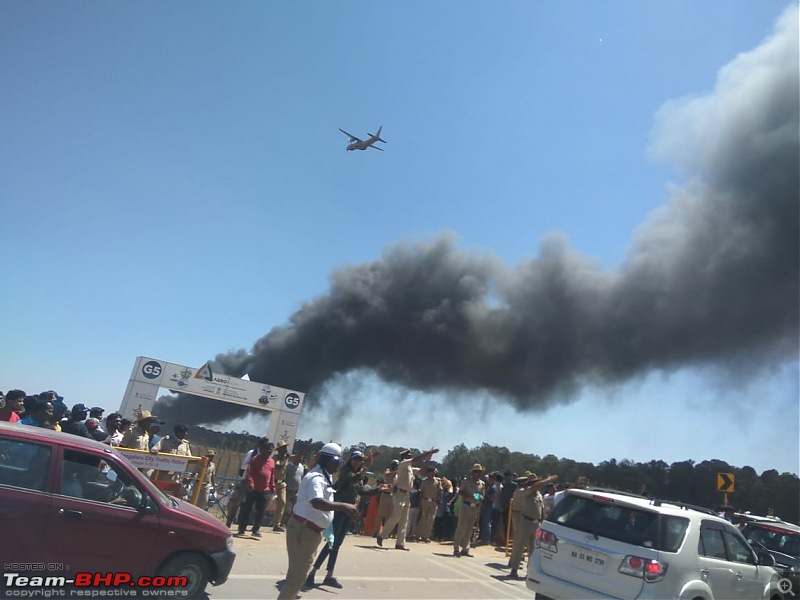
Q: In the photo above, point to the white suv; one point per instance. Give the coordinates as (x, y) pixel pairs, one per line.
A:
(605, 544)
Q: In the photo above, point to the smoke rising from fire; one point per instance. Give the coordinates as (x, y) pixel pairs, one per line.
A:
(710, 278)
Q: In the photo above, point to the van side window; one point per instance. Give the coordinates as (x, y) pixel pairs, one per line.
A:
(90, 477)
(24, 464)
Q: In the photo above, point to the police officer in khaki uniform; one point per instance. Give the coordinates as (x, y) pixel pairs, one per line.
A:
(402, 495)
(517, 501)
(430, 494)
(281, 459)
(532, 515)
(472, 492)
(173, 444)
(313, 513)
(386, 504)
(138, 438)
(177, 443)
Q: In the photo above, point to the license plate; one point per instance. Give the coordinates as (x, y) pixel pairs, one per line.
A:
(586, 560)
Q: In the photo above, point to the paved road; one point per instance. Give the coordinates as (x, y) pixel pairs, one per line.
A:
(367, 571)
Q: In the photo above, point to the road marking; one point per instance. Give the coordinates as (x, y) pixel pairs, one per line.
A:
(491, 585)
(356, 579)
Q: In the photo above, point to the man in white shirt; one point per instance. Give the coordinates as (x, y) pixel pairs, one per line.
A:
(313, 513)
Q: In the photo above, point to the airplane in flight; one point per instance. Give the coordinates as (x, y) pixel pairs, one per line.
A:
(359, 144)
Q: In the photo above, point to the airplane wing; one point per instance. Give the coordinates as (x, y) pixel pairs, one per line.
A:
(351, 136)
(376, 148)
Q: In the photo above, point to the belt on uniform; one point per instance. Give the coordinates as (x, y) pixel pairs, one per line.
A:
(531, 519)
(402, 490)
(307, 523)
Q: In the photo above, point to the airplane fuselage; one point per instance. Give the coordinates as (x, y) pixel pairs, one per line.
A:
(362, 145)
(359, 144)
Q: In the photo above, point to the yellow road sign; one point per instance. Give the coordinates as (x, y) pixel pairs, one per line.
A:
(725, 482)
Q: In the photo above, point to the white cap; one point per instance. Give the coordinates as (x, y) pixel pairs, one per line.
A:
(332, 450)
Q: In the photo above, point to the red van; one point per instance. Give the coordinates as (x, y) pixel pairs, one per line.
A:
(74, 508)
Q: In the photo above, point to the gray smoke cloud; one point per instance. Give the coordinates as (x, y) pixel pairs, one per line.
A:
(710, 278)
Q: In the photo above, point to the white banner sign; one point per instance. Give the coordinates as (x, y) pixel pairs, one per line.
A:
(151, 460)
(149, 374)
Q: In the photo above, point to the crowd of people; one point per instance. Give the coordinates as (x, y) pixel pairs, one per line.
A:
(408, 502)
(49, 411)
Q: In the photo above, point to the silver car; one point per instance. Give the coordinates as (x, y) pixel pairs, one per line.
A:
(605, 544)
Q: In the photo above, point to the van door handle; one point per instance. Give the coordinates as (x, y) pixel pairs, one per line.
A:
(704, 573)
(738, 575)
(70, 514)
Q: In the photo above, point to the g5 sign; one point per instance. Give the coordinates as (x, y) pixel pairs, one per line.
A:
(151, 369)
(292, 400)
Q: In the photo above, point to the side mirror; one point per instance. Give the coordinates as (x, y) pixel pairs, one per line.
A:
(765, 558)
(132, 497)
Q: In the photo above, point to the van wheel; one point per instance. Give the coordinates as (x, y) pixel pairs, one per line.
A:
(192, 566)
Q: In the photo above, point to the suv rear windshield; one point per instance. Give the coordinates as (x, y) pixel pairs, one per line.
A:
(621, 523)
(773, 538)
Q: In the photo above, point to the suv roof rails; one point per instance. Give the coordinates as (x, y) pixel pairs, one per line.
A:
(684, 505)
(594, 488)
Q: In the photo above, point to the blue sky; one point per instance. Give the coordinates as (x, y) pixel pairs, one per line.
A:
(173, 184)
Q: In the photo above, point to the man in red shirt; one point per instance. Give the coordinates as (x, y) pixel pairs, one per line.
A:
(14, 407)
(260, 484)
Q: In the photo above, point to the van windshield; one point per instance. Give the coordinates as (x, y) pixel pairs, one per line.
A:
(630, 525)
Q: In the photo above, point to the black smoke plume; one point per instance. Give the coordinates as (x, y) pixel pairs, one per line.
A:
(711, 278)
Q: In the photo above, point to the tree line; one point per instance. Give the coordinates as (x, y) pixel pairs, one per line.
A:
(768, 493)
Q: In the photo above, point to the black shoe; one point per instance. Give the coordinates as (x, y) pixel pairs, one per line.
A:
(256, 534)
(466, 553)
(278, 528)
(332, 582)
(402, 548)
(309, 584)
(514, 574)
(456, 553)
(239, 534)
(380, 541)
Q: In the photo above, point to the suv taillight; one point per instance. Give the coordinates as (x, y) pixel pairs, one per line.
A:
(647, 569)
(546, 539)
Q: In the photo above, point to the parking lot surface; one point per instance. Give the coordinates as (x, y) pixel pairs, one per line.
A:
(368, 571)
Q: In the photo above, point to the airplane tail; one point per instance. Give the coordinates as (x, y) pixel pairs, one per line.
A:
(378, 135)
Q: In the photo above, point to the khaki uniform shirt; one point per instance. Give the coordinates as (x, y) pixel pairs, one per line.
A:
(405, 475)
(472, 487)
(280, 467)
(211, 471)
(136, 438)
(431, 489)
(518, 499)
(389, 478)
(533, 505)
(174, 445)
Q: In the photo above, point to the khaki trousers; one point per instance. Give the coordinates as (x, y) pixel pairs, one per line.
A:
(399, 517)
(280, 503)
(467, 517)
(516, 517)
(428, 514)
(527, 535)
(301, 545)
(384, 512)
